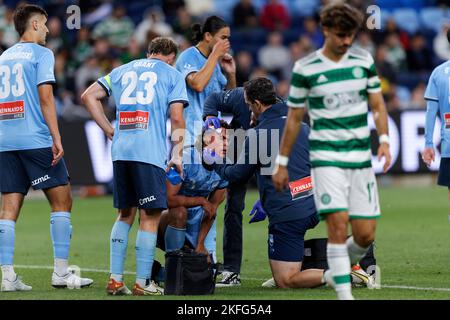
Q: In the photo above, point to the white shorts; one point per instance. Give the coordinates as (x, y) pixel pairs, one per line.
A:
(351, 190)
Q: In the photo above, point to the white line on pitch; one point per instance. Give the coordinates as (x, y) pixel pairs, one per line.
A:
(19, 266)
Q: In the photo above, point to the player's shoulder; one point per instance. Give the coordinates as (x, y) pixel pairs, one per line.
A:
(360, 54)
(442, 69)
(310, 59)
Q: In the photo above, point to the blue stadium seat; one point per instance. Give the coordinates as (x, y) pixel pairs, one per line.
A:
(407, 19)
(224, 9)
(389, 4)
(415, 4)
(305, 8)
(432, 18)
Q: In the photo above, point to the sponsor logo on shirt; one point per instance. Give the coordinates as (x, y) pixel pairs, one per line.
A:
(132, 120)
(301, 188)
(40, 180)
(447, 120)
(12, 110)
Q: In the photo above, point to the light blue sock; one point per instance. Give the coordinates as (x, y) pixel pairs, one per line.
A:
(7, 236)
(118, 246)
(145, 253)
(174, 238)
(61, 232)
(210, 240)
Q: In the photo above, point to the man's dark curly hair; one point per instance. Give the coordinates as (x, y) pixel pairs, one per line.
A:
(261, 89)
(341, 16)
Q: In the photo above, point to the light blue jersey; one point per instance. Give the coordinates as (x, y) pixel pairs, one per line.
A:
(438, 99)
(192, 60)
(23, 68)
(143, 90)
(198, 182)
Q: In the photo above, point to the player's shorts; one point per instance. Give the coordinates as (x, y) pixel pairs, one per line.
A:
(287, 239)
(351, 190)
(139, 184)
(444, 172)
(22, 169)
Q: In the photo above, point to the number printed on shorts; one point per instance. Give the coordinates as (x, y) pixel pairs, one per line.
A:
(130, 80)
(6, 87)
(370, 191)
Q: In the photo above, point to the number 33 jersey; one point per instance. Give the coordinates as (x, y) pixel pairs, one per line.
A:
(23, 68)
(143, 91)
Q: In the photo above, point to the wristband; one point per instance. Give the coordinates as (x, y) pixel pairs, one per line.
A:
(282, 160)
(384, 138)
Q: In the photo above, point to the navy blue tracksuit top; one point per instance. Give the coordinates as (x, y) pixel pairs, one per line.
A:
(295, 202)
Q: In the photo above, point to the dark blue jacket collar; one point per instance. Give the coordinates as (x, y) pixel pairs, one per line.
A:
(275, 111)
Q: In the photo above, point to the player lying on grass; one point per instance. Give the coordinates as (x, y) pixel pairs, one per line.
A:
(193, 202)
(291, 212)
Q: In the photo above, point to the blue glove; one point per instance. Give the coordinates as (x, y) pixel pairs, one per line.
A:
(215, 122)
(173, 176)
(257, 213)
(210, 157)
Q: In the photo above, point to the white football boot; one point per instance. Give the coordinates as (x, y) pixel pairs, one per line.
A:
(15, 285)
(70, 280)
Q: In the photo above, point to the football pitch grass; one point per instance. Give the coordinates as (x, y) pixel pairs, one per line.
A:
(412, 251)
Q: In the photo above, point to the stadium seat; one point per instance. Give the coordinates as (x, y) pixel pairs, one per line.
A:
(415, 4)
(407, 19)
(305, 8)
(389, 4)
(224, 9)
(432, 18)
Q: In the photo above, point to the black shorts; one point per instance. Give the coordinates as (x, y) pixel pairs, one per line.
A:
(22, 169)
(139, 184)
(287, 239)
(444, 172)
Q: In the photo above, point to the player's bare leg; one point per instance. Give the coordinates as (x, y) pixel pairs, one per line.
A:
(288, 275)
(337, 254)
(145, 252)
(11, 203)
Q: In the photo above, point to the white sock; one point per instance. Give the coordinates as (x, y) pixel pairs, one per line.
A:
(355, 251)
(340, 268)
(8, 272)
(141, 282)
(61, 266)
(117, 277)
(328, 278)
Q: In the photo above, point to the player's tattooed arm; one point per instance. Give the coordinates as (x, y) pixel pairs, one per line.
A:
(178, 127)
(91, 98)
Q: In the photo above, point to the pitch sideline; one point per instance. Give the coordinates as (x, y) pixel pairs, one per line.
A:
(400, 287)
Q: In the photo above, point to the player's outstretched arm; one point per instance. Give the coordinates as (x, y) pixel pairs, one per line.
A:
(48, 109)
(91, 98)
(294, 120)
(380, 117)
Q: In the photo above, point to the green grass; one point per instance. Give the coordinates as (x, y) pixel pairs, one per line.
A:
(412, 249)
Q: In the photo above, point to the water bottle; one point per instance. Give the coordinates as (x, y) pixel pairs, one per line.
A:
(173, 176)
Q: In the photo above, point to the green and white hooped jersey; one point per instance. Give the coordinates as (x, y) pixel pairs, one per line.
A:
(336, 96)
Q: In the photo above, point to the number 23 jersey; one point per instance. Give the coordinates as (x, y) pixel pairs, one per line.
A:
(23, 68)
(143, 91)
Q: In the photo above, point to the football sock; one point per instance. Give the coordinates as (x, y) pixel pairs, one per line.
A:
(210, 240)
(145, 252)
(174, 238)
(355, 251)
(339, 264)
(118, 249)
(7, 237)
(60, 230)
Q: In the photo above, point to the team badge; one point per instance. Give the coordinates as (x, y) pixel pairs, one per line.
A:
(325, 198)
